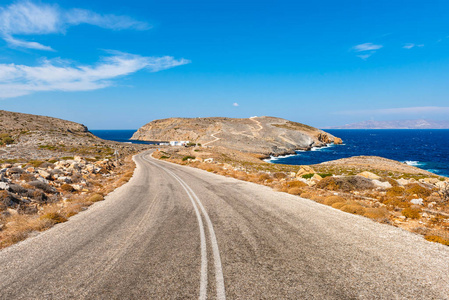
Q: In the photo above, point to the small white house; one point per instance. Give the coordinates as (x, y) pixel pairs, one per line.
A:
(179, 143)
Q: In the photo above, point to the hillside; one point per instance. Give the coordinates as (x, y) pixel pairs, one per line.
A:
(398, 124)
(263, 135)
(25, 137)
(15, 122)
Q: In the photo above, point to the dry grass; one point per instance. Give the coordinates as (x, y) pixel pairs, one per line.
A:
(412, 213)
(437, 239)
(95, 198)
(378, 214)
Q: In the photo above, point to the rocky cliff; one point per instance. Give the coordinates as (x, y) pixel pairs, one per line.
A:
(264, 135)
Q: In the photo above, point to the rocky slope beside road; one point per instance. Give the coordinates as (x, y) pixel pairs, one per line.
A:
(262, 135)
(50, 169)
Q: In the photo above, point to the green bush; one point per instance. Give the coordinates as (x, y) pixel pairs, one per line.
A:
(188, 157)
(307, 176)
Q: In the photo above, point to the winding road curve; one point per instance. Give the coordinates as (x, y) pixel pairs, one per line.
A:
(175, 232)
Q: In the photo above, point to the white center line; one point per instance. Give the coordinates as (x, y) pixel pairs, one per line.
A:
(221, 294)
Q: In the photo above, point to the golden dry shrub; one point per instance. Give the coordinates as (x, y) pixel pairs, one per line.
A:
(95, 198)
(390, 180)
(417, 189)
(52, 214)
(263, 177)
(412, 213)
(379, 213)
(338, 205)
(67, 188)
(395, 191)
(306, 195)
(353, 208)
(294, 191)
(279, 175)
(296, 184)
(27, 177)
(396, 202)
(437, 239)
(333, 199)
(317, 198)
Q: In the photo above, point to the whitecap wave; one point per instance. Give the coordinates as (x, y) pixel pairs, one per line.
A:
(413, 163)
(274, 158)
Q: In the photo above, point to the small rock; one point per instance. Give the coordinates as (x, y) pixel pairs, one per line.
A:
(4, 186)
(418, 201)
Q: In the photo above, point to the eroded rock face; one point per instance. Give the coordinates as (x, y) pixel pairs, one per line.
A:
(263, 135)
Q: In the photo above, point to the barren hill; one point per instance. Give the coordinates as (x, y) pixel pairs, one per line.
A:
(25, 137)
(264, 135)
(13, 121)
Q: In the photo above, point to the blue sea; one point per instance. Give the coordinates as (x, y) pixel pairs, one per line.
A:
(427, 149)
(119, 136)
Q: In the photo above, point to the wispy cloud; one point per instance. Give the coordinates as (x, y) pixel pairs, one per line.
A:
(399, 111)
(57, 75)
(235, 104)
(367, 47)
(366, 50)
(411, 45)
(30, 18)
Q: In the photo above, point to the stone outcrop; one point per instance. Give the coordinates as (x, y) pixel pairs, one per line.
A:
(262, 135)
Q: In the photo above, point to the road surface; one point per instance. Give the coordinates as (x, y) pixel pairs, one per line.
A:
(175, 232)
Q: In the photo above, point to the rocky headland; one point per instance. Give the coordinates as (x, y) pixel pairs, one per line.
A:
(262, 135)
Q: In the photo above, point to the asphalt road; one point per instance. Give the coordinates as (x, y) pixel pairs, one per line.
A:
(176, 232)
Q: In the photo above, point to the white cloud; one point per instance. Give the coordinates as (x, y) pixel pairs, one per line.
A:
(235, 104)
(29, 18)
(400, 111)
(364, 56)
(57, 75)
(411, 45)
(367, 47)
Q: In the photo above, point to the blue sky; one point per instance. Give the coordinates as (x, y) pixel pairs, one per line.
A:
(120, 64)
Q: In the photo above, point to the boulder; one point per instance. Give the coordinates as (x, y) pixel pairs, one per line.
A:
(382, 184)
(369, 175)
(441, 184)
(45, 174)
(403, 181)
(338, 141)
(316, 177)
(43, 186)
(303, 170)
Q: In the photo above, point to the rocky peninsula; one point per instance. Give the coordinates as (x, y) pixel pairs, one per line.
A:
(261, 135)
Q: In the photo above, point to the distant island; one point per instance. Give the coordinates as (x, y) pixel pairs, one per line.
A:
(396, 124)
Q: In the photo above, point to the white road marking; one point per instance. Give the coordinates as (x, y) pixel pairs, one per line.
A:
(221, 294)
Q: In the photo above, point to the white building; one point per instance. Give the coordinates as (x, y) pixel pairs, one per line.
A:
(179, 143)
